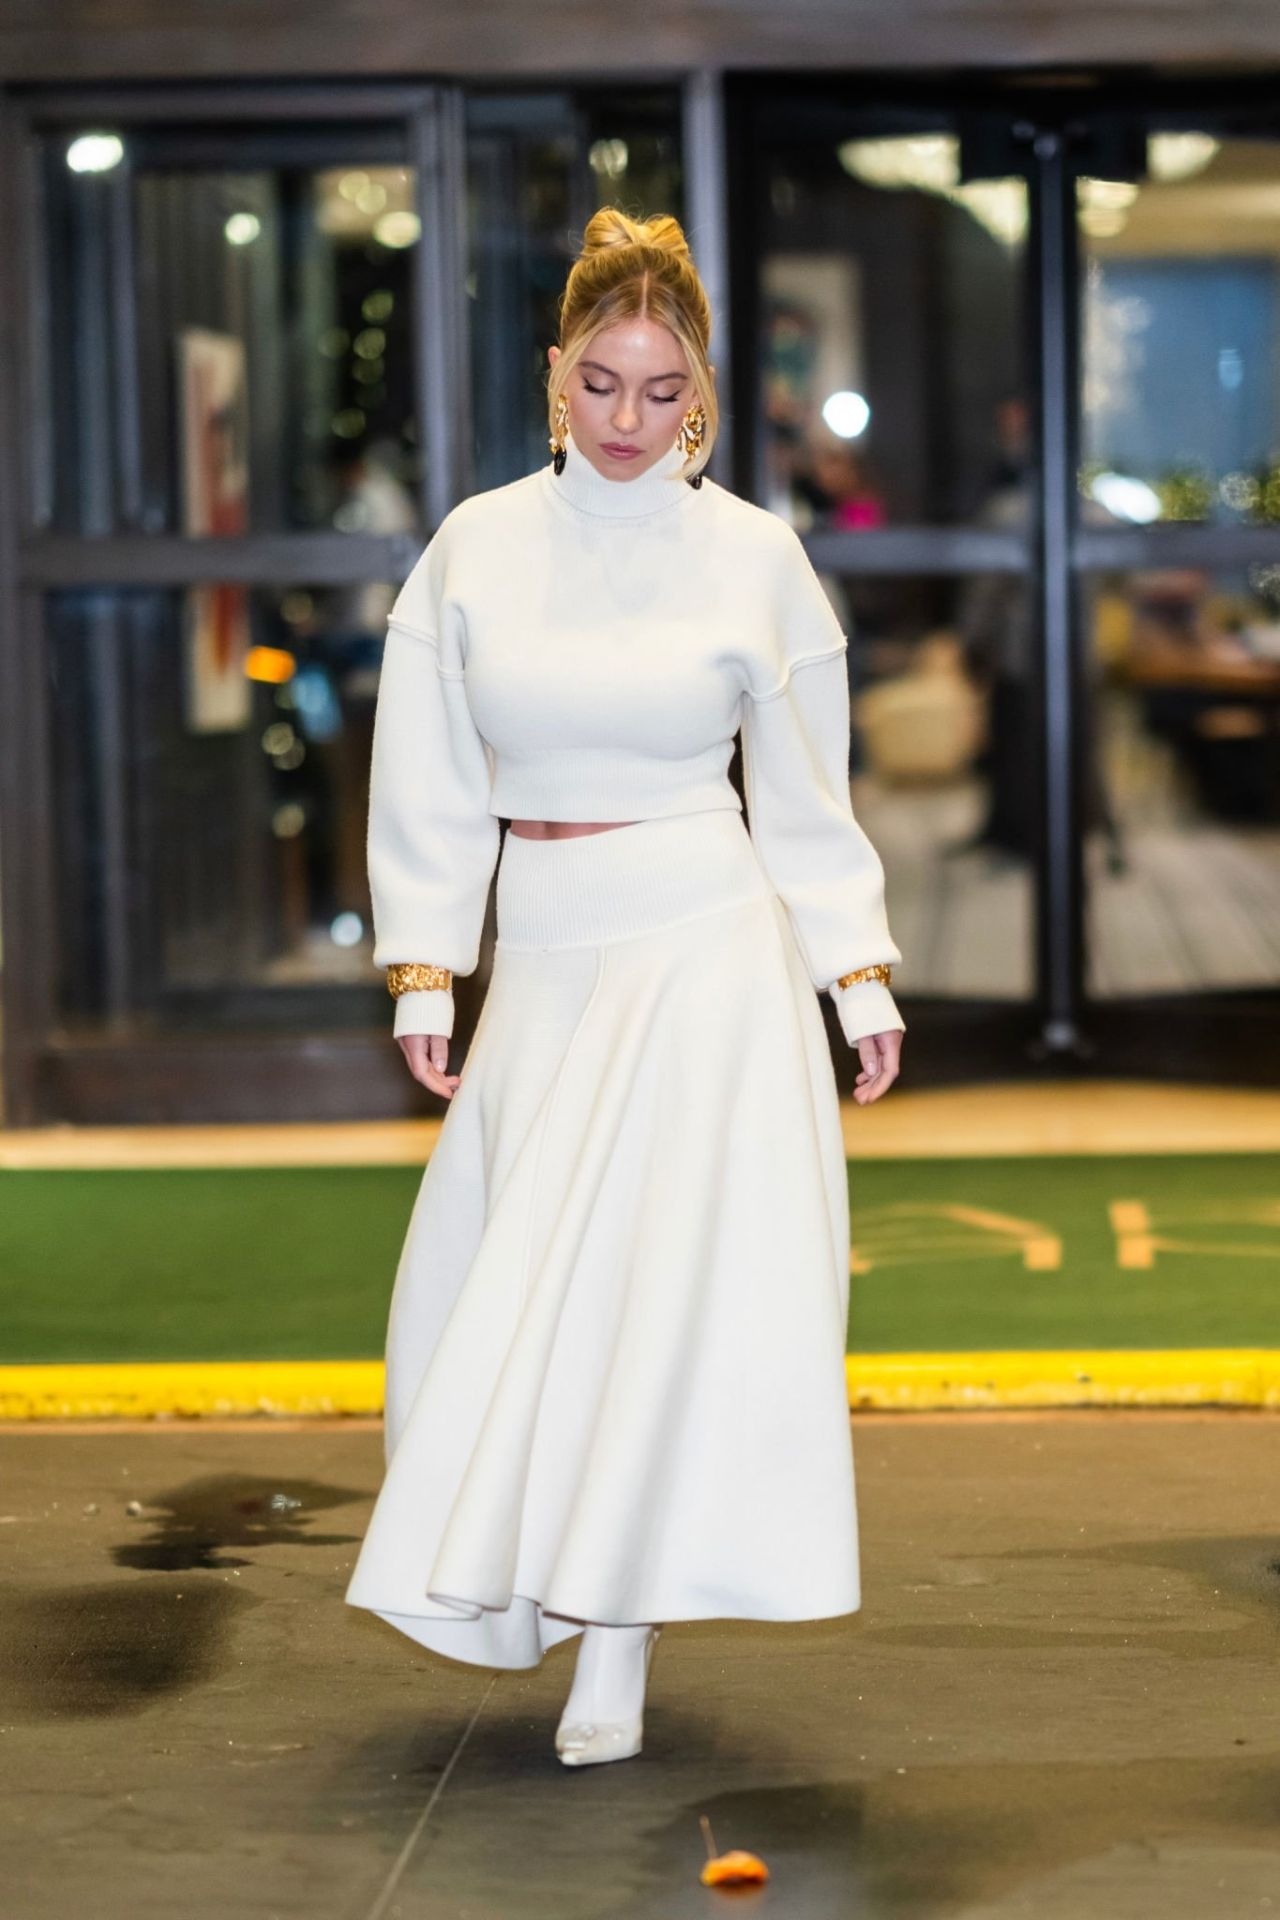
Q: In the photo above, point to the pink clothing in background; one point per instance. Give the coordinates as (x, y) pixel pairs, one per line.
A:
(857, 513)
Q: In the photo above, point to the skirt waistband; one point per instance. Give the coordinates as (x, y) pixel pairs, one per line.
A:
(594, 887)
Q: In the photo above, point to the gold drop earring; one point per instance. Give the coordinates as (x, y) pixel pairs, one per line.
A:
(556, 442)
(689, 438)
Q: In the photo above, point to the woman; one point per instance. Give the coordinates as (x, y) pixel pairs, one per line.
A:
(615, 1357)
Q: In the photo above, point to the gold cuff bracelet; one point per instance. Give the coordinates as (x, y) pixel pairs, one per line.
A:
(414, 976)
(879, 972)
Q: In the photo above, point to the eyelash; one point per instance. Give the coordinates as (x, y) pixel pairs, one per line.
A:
(663, 399)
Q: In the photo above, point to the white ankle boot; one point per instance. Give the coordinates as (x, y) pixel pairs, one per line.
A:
(583, 1738)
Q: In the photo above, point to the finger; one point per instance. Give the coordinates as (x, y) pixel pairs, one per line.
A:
(882, 1085)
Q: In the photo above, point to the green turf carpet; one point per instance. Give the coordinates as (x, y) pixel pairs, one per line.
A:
(1071, 1251)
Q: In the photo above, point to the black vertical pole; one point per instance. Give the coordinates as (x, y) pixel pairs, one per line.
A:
(1060, 898)
(706, 211)
(442, 353)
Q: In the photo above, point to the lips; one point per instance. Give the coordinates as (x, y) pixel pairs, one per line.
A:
(614, 448)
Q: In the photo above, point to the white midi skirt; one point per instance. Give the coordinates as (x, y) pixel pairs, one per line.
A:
(615, 1385)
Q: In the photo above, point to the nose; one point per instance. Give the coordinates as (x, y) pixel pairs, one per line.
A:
(626, 417)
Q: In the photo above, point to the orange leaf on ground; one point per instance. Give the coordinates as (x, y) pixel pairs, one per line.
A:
(734, 1869)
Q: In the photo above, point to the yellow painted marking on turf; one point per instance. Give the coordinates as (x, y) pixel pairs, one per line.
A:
(1139, 1242)
(1041, 1249)
(904, 1231)
(1135, 1242)
(889, 1382)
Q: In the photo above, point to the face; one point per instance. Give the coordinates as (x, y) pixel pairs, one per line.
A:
(627, 397)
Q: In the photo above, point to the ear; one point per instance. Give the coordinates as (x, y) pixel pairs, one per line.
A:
(553, 354)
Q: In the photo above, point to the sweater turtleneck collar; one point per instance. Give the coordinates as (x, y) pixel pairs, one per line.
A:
(659, 486)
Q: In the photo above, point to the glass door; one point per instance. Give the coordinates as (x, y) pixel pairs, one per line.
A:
(253, 316)
(1015, 381)
(882, 324)
(229, 469)
(1178, 562)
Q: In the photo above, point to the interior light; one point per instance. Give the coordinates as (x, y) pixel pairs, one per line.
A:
(930, 163)
(95, 152)
(1126, 497)
(242, 229)
(346, 930)
(397, 229)
(846, 414)
(271, 665)
(1176, 156)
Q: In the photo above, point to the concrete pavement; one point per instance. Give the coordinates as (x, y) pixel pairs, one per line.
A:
(1060, 1698)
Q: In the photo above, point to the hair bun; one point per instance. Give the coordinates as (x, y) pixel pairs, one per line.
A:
(610, 227)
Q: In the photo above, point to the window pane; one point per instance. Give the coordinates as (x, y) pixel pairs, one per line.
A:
(211, 755)
(943, 776)
(1181, 332)
(539, 165)
(228, 337)
(1183, 821)
(890, 300)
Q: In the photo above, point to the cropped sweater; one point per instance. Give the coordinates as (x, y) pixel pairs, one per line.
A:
(570, 647)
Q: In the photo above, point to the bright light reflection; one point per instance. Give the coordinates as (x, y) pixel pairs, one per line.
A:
(347, 930)
(242, 229)
(846, 414)
(1126, 497)
(95, 153)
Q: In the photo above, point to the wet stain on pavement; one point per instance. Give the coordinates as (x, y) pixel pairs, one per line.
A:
(937, 1840)
(1236, 1614)
(110, 1649)
(193, 1525)
(526, 1841)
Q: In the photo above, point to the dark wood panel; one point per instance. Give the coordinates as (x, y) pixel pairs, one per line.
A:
(185, 39)
(159, 1082)
(1214, 1039)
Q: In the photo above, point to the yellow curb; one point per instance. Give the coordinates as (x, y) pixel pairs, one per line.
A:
(189, 1389)
(887, 1382)
(1174, 1377)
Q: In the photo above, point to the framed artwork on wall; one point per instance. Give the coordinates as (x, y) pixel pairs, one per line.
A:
(213, 416)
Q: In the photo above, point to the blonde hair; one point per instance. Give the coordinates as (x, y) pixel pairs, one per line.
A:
(630, 269)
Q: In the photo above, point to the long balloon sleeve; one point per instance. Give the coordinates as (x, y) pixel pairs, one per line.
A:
(433, 844)
(795, 750)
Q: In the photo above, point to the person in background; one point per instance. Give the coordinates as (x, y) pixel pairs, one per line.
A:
(839, 486)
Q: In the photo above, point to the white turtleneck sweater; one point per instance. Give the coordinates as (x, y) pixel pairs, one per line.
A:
(570, 647)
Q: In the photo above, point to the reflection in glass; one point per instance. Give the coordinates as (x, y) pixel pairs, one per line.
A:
(211, 804)
(891, 330)
(538, 166)
(226, 341)
(1181, 334)
(937, 776)
(1184, 896)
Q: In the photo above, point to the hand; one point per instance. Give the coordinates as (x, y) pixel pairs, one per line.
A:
(879, 1053)
(428, 1056)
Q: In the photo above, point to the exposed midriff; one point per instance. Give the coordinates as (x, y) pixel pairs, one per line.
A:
(563, 829)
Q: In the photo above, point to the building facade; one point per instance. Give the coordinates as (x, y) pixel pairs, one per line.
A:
(1001, 338)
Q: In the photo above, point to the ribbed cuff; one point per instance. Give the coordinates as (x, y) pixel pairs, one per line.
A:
(866, 1007)
(430, 1012)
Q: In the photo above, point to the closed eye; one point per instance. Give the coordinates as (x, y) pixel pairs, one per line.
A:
(663, 399)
